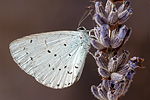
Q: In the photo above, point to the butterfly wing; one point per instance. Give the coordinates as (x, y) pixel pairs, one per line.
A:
(55, 59)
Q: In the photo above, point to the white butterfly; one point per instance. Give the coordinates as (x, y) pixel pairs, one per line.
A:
(56, 59)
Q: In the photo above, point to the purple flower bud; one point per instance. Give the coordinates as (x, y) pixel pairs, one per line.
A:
(97, 5)
(101, 62)
(106, 84)
(135, 62)
(100, 20)
(95, 92)
(96, 44)
(112, 65)
(99, 9)
(123, 69)
(123, 57)
(121, 37)
(103, 72)
(116, 77)
(103, 93)
(122, 32)
(124, 16)
(108, 7)
(113, 16)
(124, 6)
(127, 35)
(116, 90)
(119, 88)
(96, 33)
(130, 74)
(111, 96)
(104, 36)
(99, 92)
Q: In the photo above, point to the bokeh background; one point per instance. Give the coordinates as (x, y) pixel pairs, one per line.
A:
(23, 17)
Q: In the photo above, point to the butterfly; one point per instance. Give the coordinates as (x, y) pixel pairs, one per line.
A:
(55, 59)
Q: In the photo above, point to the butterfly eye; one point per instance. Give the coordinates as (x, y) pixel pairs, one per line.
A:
(81, 28)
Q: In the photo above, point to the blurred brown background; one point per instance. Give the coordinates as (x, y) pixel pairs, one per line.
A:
(23, 17)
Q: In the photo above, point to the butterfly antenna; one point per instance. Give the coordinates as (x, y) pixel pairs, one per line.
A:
(95, 70)
(93, 1)
(86, 14)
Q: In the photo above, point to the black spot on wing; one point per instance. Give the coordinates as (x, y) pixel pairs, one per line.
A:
(76, 67)
(48, 51)
(31, 58)
(65, 67)
(31, 41)
(57, 85)
(69, 72)
(19, 64)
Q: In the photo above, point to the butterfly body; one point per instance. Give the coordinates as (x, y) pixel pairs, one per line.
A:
(56, 59)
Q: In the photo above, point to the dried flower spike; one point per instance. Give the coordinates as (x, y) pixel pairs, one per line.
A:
(108, 37)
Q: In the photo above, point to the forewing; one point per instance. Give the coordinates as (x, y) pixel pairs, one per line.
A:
(55, 59)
